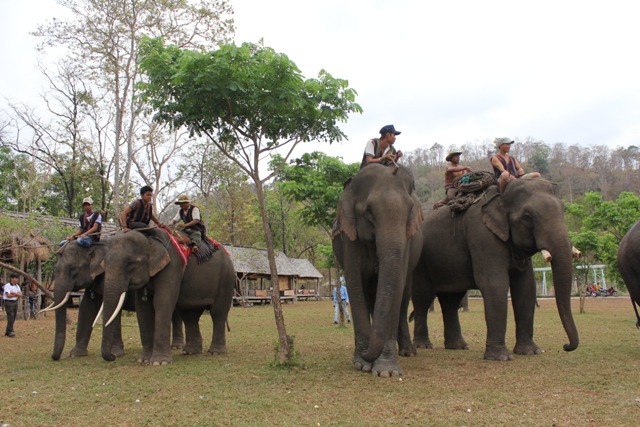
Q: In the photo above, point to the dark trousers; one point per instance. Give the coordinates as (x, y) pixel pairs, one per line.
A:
(11, 307)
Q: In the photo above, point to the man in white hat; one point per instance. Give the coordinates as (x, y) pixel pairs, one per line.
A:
(90, 225)
(191, 223)
(506, 167)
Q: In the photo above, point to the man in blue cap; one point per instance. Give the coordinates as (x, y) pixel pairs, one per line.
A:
(381, 150)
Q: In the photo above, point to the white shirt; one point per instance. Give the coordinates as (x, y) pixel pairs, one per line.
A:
(195, 214)
(9, 289)
(369, 149)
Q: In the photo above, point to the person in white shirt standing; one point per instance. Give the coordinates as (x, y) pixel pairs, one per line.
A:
(10, 294)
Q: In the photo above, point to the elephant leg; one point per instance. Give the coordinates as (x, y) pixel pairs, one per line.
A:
(495, 295)
(145, 314)
(164, 305)
(219, 315)
(523, 299)
(449, 303)
(191, 318)
(423, 297)
(405, 346)
(177, 335)
(86, 315)
(361, 308)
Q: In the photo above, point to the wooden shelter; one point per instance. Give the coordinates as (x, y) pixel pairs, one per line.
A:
(254, 277)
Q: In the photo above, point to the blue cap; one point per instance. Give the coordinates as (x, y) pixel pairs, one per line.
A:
(389, 128)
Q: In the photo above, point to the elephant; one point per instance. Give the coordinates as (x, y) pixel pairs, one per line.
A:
(489, 247)
(150, 265)
(629, 265)
(377, 242)
(79, 268)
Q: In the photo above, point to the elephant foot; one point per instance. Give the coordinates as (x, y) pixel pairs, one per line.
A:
(78, 352)
(386, 368)
(189, 350)
(501, 355)
(422, 343)
(175, 346)
(217, 350)
(160, 360)
(407, 350)
(360, 363)
(145, 357)
(458, 344)
(529, 348)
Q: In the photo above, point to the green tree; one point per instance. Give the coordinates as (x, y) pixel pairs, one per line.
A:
(316, 180)
(602, 224)
(248, 101)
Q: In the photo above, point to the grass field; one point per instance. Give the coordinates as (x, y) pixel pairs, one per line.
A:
(596, 385)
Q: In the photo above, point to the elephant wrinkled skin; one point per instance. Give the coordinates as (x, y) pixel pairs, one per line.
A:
(149, 265)
(378, 246)
(489, 247)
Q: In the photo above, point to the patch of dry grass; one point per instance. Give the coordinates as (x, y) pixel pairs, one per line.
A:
(596, 385)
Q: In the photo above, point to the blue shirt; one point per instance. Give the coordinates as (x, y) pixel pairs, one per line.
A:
(343, 294)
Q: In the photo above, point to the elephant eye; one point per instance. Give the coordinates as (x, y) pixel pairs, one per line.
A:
(368, 212)
(526, 217)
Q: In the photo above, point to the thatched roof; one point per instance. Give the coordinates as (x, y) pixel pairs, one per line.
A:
(254, 261)
(17, 248)
(304, 269)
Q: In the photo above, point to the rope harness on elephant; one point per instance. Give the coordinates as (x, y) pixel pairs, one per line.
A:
(471, 188)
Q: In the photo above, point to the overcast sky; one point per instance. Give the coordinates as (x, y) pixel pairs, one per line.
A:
(448, 72)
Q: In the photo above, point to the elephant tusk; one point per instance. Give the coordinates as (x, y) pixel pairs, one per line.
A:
(576, 252)
(546, 255)
(98, 315)
(115, 313)
(50, 308)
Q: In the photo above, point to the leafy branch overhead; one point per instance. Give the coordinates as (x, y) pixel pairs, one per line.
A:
(247, 99)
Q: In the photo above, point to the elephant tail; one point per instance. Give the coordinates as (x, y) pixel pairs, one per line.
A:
(635, 308)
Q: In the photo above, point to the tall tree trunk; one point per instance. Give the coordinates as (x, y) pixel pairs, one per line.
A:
(284, 353)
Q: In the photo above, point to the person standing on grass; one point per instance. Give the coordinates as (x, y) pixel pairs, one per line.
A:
(10, 294)
(344, 300)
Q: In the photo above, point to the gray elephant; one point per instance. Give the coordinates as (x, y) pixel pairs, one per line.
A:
(378, 245)
(79, 268)
(489, 247)
(629, 265)
(150, 265)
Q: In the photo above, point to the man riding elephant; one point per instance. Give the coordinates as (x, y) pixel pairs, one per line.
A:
(191, 224)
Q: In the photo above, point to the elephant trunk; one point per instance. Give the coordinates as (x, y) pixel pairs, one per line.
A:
(561, 267)
(113, 289)
(60, 298)
(386, 311)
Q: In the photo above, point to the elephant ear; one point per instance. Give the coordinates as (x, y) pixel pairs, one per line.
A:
(494, 215)
(346, 214)
(416, 217)
(158, 256)
(96, 263)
